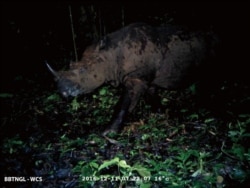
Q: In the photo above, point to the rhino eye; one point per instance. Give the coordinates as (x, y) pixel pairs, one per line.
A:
(83, 70)
(64, 93)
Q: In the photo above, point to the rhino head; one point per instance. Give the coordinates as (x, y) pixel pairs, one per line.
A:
(78, 79)
(66, 86)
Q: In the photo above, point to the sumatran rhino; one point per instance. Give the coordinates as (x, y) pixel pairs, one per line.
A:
(139, 57)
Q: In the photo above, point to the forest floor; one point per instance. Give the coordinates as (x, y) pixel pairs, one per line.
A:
(192, 141)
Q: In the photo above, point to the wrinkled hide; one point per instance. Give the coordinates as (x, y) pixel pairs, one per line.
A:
(138, 57)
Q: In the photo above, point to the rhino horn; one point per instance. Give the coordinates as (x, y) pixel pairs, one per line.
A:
(52, 71)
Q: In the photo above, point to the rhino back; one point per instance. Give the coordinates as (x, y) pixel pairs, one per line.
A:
(186, 54)
(164, 56)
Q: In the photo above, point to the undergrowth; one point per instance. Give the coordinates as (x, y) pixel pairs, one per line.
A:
(184, 145)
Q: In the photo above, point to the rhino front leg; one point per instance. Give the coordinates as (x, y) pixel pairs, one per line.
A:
(117, 122)
(134, 89)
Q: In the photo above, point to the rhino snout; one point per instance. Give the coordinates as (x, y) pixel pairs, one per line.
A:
(68, 88)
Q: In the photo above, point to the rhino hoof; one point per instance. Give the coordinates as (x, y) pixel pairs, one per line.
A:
(109, 131)
(110, 140)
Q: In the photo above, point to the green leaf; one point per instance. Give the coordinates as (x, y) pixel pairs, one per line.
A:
(123, 164)
(75, 104)
(94, 164)
(194, 116)
(239, 174)
(142, 171)
(209, 120)
(232, 133)
(197, 173)
(246, 135)
(6, 95)
(145, 185)
(193, 89)
(53, 97)
(103, 91)
(238, 150)
(109, 163)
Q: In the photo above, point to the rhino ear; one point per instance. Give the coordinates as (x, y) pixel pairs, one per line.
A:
(52, 71)
(103, 43)
(72, 64)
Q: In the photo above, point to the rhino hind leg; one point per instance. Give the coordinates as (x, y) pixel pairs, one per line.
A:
(154, 100)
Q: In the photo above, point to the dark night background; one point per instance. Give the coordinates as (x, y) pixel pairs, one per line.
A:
(34, 32)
